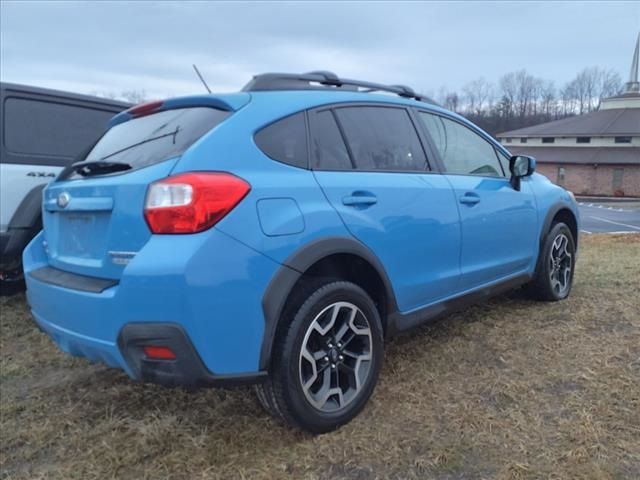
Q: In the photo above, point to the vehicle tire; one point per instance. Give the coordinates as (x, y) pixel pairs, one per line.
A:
(326, 361)
(554, 272)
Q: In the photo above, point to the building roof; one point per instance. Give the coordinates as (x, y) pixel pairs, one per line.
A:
(582, 155)
(612, 122)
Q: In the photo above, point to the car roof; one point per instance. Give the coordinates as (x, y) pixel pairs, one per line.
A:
(15, 88)
(284, 102)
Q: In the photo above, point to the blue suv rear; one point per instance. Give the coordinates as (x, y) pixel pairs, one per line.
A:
(279, 235)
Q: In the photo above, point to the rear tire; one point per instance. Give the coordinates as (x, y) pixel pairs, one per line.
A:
(554, 272)
(326, 361)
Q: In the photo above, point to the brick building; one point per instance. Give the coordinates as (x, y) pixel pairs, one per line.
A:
(593, 154)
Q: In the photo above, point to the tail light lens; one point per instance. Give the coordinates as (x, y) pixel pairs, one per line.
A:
(192, 202)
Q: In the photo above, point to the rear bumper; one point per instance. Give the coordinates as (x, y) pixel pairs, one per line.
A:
(202, 293)
(186, 369)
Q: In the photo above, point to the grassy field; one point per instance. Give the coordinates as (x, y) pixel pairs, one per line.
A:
(509, 389)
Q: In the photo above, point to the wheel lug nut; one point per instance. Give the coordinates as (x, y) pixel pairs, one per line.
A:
(333, 365)
(340, 358)
(326, 359)
(330, 345)
(339, 345)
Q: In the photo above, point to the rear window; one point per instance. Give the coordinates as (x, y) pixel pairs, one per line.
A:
(154, 138)
(33, 127)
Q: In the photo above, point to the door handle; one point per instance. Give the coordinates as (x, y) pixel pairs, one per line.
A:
(363, 199)
(470, 198)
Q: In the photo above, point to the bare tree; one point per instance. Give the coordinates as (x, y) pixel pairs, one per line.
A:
(609, 84)
(103, 94)
(452, 101)
(591, 85)
(548, 99)
(134, 96)
(478, 95)
(508, 93)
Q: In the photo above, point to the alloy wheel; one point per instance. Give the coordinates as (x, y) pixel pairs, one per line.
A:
(335, 357)
(560, 265)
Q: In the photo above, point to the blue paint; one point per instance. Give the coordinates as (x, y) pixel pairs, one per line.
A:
(435, 235)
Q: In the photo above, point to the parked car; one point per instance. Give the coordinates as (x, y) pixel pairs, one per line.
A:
(41, 132)
(280, 235)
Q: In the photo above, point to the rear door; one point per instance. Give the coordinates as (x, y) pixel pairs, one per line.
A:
(371, 164)
(499, 224)
(93, 220)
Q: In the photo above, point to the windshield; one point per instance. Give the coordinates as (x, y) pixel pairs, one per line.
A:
(151, 139)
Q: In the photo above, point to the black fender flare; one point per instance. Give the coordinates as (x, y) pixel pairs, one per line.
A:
(29, 212)
(552, 212)
(282, 283)
(23, 226)
(546, 225)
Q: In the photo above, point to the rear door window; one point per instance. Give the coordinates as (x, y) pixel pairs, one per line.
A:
(52, 129)
(382, 138)
(154, 138)
(328, 150)
(285, 140)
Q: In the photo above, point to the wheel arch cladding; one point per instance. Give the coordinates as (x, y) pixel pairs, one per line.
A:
(336, 257)
(560, 212)
(29, 211)
(567, 217)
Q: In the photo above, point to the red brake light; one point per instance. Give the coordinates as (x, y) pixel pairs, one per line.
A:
(192, 202)
(145, 108)
(155, 352)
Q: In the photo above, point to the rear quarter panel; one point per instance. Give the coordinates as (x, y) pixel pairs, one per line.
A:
(231, 148)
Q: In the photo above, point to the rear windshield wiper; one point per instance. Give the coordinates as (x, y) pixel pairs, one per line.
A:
(89, 168)
(96, 167)
(147, 140)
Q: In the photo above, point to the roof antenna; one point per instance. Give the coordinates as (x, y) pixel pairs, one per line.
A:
(201, 79)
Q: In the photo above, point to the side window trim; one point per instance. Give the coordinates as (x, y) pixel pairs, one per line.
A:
(481, 134)
(435, 163)
(311, 158)
(500, 162)
(344, 138)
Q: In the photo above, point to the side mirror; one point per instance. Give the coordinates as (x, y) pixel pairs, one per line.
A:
(521, 166)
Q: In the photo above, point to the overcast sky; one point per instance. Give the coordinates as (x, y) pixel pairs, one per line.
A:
(150, 46)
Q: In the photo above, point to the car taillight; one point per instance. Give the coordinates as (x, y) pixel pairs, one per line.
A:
(145, 108)
(192, 202)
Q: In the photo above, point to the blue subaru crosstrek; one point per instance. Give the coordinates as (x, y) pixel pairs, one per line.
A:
(279, 235)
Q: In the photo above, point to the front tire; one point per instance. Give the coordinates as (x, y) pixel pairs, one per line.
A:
(327, 360)
(554, 273)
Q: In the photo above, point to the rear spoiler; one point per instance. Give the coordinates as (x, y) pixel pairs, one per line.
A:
(227, 102)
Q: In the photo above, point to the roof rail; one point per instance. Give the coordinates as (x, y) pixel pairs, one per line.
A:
(321, 80)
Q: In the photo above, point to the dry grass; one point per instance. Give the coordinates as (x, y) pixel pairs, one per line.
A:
(509, 389)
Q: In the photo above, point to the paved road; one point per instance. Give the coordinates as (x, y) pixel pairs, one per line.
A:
(597, 218)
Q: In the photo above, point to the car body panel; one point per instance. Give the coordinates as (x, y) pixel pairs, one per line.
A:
(171, 280)
(487, 256)
(226, 287)
(413, 228)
